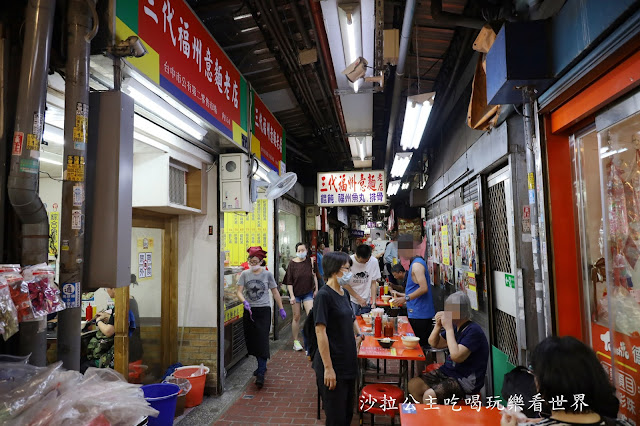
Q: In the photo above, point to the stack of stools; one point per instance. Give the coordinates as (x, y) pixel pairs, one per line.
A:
(380, 399)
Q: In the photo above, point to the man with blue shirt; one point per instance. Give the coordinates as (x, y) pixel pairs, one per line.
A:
(418, 294)
(319, 255)
(464, 370)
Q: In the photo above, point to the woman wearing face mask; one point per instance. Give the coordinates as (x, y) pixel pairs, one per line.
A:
(253, 290)
(302, 283)
(338, 336)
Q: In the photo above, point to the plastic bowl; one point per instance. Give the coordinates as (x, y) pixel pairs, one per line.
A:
(410, 342)
(367, 318)
(386, 298)
(386, 343)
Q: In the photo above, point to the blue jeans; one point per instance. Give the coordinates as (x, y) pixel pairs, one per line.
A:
(359, 310)
(262, 366)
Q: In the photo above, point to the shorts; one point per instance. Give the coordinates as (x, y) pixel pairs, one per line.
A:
(304, 297)
(444, 386)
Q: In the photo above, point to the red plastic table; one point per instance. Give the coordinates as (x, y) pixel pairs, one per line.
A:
(445, 415)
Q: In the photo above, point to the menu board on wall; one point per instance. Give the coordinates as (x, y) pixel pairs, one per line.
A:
(243, 231)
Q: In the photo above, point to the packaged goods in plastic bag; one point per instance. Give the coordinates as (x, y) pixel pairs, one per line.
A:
(100, 394)
(8, 313)
(19, 291)
(44, 294)
(184, 384)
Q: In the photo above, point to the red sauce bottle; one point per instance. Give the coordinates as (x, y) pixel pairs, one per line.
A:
(378, 327)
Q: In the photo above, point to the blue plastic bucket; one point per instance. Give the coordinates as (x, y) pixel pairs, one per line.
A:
(162, 397)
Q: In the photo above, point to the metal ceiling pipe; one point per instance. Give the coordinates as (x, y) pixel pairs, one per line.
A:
(405, 36)
(442, 17)
(22, 186)
(327, 63)
(76, 124)
(300, 24)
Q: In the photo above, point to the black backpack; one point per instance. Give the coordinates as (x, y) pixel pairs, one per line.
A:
(309, 330)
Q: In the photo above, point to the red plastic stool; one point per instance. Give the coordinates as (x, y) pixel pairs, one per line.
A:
(432, 367)
(376, 398)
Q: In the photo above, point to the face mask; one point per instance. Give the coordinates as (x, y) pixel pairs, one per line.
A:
(302, 255)
(255, 268)
(345, 278)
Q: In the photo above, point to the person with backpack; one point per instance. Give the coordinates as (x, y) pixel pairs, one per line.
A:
(338, 336)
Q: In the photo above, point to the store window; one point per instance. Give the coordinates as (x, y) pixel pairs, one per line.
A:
(607, 193)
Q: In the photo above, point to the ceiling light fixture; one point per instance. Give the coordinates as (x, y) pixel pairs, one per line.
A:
(394, 185)
(239, 17)
(416, 116)
(405, 185)
(246, 30)
(351, 29)
(400, 163)
(361, 147)
(156, 105)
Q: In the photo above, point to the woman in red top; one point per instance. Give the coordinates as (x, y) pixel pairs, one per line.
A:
(302, 283)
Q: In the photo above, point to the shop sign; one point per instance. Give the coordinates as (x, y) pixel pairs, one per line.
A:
(269, 139)
(627, 358)
(185, 60)
(356, 233)
(352, 188)
(54, 229)
(233, 314)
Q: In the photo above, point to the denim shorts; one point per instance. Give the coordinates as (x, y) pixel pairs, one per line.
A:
(304, 297)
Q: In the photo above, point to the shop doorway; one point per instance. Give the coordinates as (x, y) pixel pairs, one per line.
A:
(153, 295)
(505, 353)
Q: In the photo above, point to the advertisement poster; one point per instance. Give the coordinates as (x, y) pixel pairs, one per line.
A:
(627, 359)
(145, 259)
(465, 250)
(444, 235)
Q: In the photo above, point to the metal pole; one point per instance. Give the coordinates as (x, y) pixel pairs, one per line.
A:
(76, 125)
(529, 139)
(22, 186)
(4, 76)
(398, 83)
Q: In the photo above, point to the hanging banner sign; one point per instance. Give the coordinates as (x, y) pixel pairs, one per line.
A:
(352, 188)
(185, 60)
(269, 138)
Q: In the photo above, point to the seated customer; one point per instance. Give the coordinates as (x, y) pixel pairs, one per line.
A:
(400, 276)
(564, 366)
(464, 369)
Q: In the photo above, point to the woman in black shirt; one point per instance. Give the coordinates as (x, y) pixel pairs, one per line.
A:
(336, 361)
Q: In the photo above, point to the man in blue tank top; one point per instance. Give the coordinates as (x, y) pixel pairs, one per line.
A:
(418, 295)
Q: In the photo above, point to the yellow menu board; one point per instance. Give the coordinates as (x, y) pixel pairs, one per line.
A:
(242, 230)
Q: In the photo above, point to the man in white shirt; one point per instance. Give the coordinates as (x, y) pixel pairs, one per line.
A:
(362, 286)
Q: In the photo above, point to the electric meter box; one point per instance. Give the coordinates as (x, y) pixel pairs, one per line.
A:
(235, 183)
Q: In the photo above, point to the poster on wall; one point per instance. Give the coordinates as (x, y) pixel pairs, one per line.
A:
(145, 258)
(443, 225)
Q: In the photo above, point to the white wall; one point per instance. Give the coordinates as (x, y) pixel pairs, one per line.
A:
(198, 259)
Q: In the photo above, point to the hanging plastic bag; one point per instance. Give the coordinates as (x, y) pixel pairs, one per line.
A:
(8, 313)
(45, 296)
(184, 384)
(19, 292)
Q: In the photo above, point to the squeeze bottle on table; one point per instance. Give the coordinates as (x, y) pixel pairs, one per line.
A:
(88, 313)
(378, 326)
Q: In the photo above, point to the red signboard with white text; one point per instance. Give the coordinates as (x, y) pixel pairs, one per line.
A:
(269, 138)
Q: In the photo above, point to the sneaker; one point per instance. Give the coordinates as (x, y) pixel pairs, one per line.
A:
(259, 381)
(297, 346)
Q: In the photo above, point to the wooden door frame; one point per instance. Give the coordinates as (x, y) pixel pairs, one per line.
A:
(169, 296)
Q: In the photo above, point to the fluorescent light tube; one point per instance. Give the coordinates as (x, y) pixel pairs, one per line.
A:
(614, 152)
(239, 17)
(405, 185)
(400, 164)
(158, 106)
(361, 147)
(351, 41)
(394, 185)
(46, 160)
(53, 135)
(416, 116)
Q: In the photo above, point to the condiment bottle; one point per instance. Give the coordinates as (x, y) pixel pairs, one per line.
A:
(378, 326)
(88, 313)
(386, 286)
(388, 328)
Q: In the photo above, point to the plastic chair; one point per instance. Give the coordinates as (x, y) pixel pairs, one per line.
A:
(136, 372)
(377, 392)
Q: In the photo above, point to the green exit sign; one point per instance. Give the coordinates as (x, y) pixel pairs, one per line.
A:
(510, 280)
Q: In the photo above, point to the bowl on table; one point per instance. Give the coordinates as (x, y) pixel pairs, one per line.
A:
(367, 318)
(386, 298)
(386, 342)
(410, 342)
